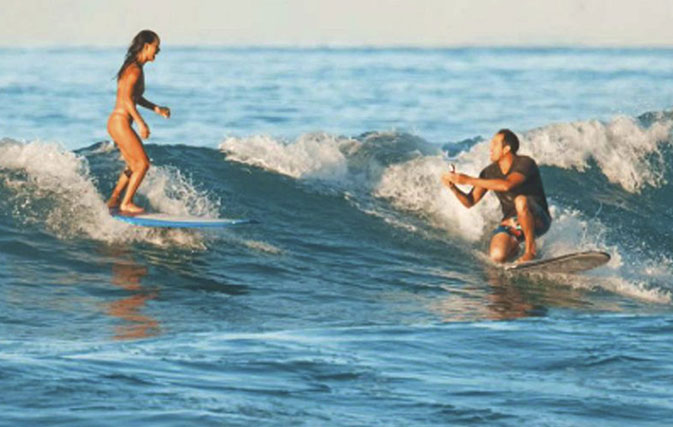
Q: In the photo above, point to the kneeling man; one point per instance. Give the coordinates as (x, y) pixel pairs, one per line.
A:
(517, 183)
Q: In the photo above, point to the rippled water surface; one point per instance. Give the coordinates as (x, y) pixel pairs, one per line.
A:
(363, 296)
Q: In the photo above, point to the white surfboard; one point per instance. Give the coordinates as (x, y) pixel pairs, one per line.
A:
(179, 221)
(566, 264)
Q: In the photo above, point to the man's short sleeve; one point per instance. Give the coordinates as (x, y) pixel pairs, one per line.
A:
(525, 166)
(485, 173)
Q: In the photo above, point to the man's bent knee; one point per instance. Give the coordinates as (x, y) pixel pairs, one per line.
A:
(498, 255)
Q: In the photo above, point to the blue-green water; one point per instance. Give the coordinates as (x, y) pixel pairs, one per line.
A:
(363, 296)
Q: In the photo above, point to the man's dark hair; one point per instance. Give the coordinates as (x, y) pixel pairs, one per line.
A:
(509, 138)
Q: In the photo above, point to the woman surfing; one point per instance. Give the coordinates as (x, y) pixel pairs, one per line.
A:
(130, 89)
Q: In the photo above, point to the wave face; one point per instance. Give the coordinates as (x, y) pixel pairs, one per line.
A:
(608, 185)
(622, 168)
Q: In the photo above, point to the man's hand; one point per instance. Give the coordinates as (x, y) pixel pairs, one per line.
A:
(456, 178)
(446, 181)
(452, 178)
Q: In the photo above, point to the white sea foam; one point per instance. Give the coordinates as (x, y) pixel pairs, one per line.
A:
(52, 187)
(415, 186)
(56, 189)
(169, 191)
(315, 155)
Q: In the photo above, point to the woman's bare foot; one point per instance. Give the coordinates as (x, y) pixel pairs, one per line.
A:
(113, 203)
(130, 209)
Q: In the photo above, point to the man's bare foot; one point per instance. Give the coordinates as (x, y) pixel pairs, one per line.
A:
(130, 209)
(527, 256)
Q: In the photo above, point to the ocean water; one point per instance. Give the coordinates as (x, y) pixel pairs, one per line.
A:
(363, 297)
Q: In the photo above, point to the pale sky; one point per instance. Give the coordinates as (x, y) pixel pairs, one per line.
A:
(430, 23)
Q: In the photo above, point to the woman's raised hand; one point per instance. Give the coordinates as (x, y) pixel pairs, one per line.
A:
(163, 111)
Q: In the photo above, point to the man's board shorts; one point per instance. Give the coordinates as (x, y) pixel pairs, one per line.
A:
(542, 223)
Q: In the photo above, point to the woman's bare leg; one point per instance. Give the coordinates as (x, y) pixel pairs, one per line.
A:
(134, 154)
(136, 178)
(113, 201)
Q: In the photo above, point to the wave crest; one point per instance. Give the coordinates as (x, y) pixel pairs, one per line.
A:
(48, 186)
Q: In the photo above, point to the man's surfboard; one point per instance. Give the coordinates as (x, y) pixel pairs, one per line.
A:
(567, 264)
(176, 221)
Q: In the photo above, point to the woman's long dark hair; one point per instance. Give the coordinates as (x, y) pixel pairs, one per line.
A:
(145, 36)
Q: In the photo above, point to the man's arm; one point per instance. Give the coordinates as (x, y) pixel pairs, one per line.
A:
(501, 185)
(467, 199)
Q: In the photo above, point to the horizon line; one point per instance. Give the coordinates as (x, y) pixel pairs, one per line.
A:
(345, 46)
